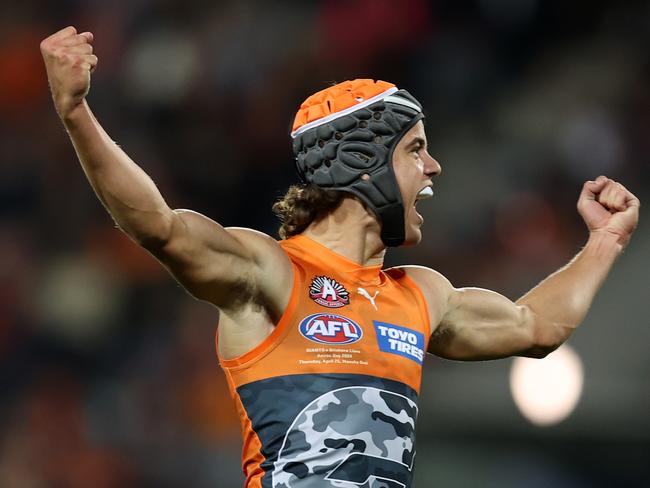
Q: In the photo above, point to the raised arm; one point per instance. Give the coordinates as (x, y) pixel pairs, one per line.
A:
(222, 266)
(476, 324)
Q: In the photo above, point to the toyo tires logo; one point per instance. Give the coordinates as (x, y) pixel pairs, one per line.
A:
(326, 328)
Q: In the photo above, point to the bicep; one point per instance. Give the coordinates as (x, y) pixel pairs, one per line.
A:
(481, 324)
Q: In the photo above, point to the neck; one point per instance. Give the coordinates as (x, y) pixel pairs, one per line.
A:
(351, 231)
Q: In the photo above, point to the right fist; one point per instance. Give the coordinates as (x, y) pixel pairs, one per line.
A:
(69, 60)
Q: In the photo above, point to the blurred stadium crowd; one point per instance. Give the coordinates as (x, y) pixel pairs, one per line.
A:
(107, 369)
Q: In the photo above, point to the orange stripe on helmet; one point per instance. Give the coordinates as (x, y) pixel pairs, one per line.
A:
(337, 98)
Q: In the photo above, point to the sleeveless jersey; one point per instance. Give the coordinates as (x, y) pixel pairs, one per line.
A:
(329, 398)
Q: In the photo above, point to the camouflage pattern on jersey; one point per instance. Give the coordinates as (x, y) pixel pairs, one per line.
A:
(353, 437)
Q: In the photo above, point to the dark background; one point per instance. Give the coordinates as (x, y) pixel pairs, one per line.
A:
(107, 370)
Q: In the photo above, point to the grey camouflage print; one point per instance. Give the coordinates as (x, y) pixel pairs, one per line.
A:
(354, 437)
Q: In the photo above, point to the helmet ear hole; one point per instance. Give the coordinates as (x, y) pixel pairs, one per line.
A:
(365, 177)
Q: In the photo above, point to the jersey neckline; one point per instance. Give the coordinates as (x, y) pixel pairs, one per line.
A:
(365, 275)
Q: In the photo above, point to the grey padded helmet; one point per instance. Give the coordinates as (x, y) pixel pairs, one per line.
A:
(335, 150)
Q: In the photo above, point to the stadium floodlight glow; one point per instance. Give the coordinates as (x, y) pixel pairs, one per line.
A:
(547, 390)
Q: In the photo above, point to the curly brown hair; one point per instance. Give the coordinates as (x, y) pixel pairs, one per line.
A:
(303, 204)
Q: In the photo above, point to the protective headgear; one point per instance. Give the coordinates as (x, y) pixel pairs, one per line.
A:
(350, 130)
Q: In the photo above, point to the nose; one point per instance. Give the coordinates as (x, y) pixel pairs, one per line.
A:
(431, 166)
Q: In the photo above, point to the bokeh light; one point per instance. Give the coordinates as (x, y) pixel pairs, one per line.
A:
(547, 390)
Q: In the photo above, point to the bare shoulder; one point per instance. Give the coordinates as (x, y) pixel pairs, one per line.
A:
(264, 249)
(244, 326)
(436, 289)
(228, 267)
(274, 273)
(427, 279)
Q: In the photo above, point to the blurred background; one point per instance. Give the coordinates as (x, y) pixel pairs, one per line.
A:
(108, 376)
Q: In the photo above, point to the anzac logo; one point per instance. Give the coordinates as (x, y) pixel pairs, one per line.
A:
(328, 292)
(327, 328)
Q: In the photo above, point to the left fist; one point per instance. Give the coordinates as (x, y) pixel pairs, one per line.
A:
(607, 206)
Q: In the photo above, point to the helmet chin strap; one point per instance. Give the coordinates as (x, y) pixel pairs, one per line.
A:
(393, 230)
(393, 227)
(380, 192)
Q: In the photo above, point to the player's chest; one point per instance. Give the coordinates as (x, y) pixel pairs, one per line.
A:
(346, 323)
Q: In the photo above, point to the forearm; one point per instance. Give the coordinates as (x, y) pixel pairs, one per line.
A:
(127, 192)
(561, 301)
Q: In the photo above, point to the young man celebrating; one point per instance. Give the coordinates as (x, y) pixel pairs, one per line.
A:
(322, 348)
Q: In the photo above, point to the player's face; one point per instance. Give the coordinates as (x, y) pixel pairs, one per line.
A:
(414, 169)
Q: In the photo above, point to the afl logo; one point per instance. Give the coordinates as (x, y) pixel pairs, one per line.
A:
(328, 292)
(332, 329)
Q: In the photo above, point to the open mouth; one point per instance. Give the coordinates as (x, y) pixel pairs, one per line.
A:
(424, 193)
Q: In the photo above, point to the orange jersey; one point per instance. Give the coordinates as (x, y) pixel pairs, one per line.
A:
(329, 399)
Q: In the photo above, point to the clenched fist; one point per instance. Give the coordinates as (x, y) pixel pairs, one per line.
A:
(69, 60)
(607, 206)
